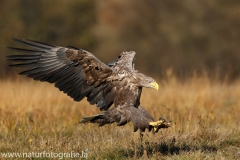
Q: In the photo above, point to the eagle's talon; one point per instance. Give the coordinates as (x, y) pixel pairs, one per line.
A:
(157, 123)
(162, 123)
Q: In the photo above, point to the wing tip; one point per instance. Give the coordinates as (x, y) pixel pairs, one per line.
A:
(16, 40)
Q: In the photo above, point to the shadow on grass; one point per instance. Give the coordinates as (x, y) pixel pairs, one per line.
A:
(162, 148)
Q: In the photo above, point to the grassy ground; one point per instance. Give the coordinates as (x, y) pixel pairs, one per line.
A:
(36, 117)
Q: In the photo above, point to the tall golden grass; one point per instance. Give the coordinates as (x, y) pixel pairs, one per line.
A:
(205, 114)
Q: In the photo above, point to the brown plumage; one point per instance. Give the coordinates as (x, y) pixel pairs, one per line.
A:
(79, 74)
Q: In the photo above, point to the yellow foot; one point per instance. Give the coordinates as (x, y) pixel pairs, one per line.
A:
(162, 123)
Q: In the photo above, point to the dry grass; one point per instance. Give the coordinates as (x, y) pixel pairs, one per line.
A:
(36, 117)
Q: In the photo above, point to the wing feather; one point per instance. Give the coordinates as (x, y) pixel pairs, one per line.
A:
(77, 73)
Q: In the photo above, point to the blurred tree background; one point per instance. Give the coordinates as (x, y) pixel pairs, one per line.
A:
(188, 36)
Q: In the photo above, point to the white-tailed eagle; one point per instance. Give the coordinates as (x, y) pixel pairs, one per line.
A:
(79, 74)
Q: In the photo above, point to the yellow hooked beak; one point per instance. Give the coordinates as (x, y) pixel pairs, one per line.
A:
(154, 85)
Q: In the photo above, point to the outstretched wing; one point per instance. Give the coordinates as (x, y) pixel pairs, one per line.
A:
(75, 72)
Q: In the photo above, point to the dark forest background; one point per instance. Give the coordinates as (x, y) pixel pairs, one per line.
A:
(184, 36)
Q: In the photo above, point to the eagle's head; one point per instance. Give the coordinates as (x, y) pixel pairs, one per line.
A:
(145, 81)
